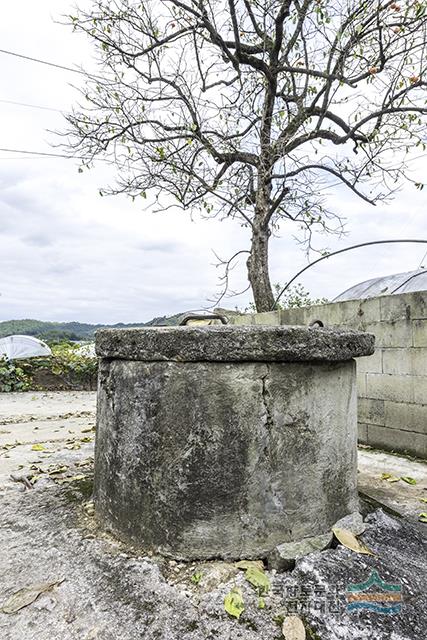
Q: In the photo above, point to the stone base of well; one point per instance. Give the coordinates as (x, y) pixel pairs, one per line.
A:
(199, 460)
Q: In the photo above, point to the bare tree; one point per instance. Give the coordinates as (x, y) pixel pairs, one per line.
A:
(248, 108)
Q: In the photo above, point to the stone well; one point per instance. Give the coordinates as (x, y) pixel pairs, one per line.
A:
(222, 441)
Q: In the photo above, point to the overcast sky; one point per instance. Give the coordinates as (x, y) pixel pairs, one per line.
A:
(67, 254)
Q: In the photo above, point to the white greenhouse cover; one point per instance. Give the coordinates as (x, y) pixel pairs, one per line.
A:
(20, 347)
(386, 286)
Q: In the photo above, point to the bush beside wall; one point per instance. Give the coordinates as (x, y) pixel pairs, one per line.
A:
(66, 369)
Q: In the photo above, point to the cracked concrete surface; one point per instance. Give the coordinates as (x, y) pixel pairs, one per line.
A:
(224, 454)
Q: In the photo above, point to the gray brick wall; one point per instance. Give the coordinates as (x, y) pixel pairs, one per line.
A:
(392, 383)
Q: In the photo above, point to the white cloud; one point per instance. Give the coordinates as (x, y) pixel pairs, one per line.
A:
(67, 254)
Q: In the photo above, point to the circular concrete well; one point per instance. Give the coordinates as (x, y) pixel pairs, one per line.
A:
(225, 441)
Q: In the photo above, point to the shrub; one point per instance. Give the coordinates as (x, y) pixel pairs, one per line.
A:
(66, 368)
(12, 377)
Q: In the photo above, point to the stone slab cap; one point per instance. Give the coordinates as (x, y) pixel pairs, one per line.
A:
(233, 344)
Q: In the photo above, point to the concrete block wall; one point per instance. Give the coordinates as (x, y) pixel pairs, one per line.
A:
(393, 382)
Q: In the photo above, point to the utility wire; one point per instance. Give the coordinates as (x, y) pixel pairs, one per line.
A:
(40, 153)
(421, 265)
(335, 253)
(32, 106)
(32, 155)
(49, 64)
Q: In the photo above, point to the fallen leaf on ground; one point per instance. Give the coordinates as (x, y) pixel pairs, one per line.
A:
(86, 439)
(10, 445)
(50, 469)
(408, 480)
(82, 476)
(74, 445)
(258, 579)
(389, 477)
(245, 564)
(58, 469)
(84, 463)
(233, 602)
(423, 500)
(26, 596)
(38, 447)
(349, 540)
(293, 628)
(423, 517)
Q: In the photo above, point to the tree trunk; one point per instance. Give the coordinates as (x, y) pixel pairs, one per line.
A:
(258, 270)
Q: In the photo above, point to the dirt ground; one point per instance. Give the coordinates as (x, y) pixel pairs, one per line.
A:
(99, 589)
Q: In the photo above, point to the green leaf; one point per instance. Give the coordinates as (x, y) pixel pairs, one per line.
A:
(38, 447)
(196, 577)
(389, 477)
(408, 480)
(233, 603)
(423, 500)
(258, 579)
(261, 603)
(423, 517)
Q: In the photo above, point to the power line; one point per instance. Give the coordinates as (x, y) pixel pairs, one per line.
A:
(335, 253)
(421, 265)
(46, 62)
(40, 153)
(32, 106)
(44, 154)
(8, 158)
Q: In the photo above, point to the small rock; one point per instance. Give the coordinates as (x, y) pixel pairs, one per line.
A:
(283, 557)
(214, 574)
(353, 522)
(89, 509)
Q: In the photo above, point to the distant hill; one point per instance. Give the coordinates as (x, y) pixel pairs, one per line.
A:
(163, 321)
(52, 331)
(69, 330)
